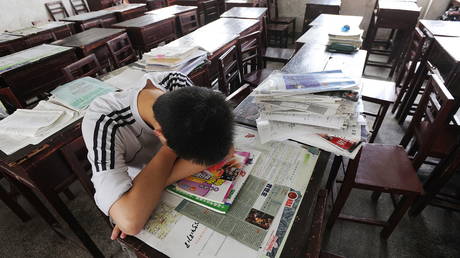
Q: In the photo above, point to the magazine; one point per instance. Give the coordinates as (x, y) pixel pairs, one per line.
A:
(217, 187)
(341, 143)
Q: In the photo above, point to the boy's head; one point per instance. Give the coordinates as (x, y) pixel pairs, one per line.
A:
(197, 124)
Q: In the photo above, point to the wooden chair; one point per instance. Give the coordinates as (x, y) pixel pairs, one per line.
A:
(430, 129)
(57, 10)
(276, 33)
(79, 6)
(409, 65)
(229, 77)
(236, 97)
(42, 38)
(91, 24)
(121, 50)
(156, 4)
(381, 93)
(6, 50)
(250, 58)
(188, 22)
(276, 19)
(87, 66)
(210, 10)
(379, 168)
(277, 54)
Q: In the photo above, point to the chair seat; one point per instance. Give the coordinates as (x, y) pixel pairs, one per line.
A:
(445, 140)
(256, 77)
(386, 168)
(285, 20)
(277, 54)
(378, 90)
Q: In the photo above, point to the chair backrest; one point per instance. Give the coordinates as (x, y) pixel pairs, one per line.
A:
(413, 55)
(39, 39)
(434, 110)
(188, 22)
(79, 6)
(121, 50)
(87, 66)
(91, 24)
(57, 10)
(229, 77)
(210, 10)
(6, 50)
(250, 52)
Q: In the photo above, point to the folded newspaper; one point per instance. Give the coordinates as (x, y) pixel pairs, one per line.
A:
(321, 109)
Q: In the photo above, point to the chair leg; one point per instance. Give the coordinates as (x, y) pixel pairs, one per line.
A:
(413, 149)
(379, 120)
(13, 205)
(397, 215)
(68, 194)
(342, 197)
(375, 196)
(418, 160)
(334, 171)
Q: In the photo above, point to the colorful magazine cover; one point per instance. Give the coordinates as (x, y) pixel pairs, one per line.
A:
(341, 143)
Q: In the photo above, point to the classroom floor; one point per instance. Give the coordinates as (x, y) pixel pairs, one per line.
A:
(432, 234)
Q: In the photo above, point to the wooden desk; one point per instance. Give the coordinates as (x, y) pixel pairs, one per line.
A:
(41, 168)
(128, 11)
(240, 27)
(315, 35)
(95, 5)
(257, 13)
(151, 4)
(33, 71)
(11, 43)
(334, 20)
(177, 11)
(398, 14)
(107, 18)
(60, 29)
(147, 31)
(92, 41)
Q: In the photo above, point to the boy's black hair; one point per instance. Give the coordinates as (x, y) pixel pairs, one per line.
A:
(197, 123)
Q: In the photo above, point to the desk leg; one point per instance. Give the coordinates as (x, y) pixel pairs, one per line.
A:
(334, 171)
(13, 205)
(64, 212)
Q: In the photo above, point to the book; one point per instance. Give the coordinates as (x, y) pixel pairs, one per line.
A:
(31, 123)
(217, 187)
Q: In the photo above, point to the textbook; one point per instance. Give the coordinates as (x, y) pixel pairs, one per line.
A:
(217, 187)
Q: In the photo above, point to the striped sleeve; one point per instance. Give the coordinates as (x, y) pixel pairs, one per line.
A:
(106, 155)
(175, 80)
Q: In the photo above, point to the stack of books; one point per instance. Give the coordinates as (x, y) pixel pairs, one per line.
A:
(319, 109)
(217, 187)
(182, 59)
(345, 40)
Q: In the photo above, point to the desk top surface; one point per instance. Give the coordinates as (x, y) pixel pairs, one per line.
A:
(228, 26)
(442, 28)
(400, 5)
(451, 45)
(329, 20)
(39, 28)
(245, 12)
(315, 35)
(239, 1)
(28, 56)
(172, 10)
(7, 37)
(124, 7)
(88, 37)
(325, 2)
(202, 39)
(143, 21)
(87, 16)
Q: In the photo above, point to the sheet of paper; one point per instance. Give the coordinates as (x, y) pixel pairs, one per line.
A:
(128, 78)
(31, 123)
(78, 94)
(336, 122)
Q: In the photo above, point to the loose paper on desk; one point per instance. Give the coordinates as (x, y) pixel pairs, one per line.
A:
(278, 181)
(126, 78)
(78, 94)
(11, 143)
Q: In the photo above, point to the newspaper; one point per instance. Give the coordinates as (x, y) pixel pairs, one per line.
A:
(286, 166)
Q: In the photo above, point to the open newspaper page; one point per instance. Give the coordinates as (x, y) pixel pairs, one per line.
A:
(258, 221)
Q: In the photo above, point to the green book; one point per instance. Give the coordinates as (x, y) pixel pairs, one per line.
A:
(215, 206)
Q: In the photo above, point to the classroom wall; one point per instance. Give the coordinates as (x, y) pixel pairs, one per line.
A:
(18, 14)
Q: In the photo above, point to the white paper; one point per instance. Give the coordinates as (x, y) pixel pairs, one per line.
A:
(128, 79)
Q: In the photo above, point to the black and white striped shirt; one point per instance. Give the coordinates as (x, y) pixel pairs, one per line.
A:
(119, 142)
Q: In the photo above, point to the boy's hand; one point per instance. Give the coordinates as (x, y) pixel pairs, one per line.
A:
(116, 232)
(230, 154)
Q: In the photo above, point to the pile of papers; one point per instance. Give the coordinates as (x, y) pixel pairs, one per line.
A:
(345, 38)
(319, 109)
(66, 105)
(166, 58)
(217, 187)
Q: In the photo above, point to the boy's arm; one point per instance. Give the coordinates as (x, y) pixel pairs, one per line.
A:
(132, 210)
